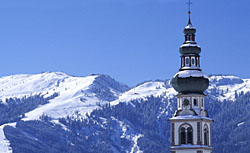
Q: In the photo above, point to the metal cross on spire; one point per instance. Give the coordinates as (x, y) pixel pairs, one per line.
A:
(189, 6)
(189, 11)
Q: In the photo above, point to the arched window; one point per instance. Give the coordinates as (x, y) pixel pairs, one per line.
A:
(206, 135)
(186, 134)
(183, 135)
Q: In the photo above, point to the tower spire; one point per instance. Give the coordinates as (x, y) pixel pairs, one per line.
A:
(189, 20)
(190, 125)
(189, 3)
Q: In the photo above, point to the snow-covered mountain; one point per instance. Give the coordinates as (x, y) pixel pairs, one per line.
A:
(81, 95)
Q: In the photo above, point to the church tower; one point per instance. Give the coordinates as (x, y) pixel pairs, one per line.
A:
(190, 125)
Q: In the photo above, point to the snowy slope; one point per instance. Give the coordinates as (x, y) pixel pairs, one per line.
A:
(225, 87)
(69, 101)
(147, 89)
(75, 93)
(25, 84)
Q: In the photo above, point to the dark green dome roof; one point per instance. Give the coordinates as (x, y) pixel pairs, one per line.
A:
(193, 82)
(190, 49)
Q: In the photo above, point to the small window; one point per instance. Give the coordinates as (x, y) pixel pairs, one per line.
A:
(187, 61)
(193, 61)
(195, 102)
(202, 102)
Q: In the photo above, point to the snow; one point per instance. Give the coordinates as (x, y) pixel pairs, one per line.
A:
(228, 86)
(74, 94)
(26, 84)
(136, 148)
(221, 77)
(125, 131)
(64, 127)
(190, 73)
(240, 123)
(147, 89)
(189, 26)
(71, 90)
(190, 117)
(4, 143)
(190, 45)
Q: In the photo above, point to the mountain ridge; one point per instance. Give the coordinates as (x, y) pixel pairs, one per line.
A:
(104, 89)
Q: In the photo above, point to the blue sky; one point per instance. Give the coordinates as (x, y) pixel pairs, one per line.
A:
(130, 40)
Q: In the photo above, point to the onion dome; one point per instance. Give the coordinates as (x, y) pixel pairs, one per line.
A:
(189, 29)
(190, 81)
(190, 48)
